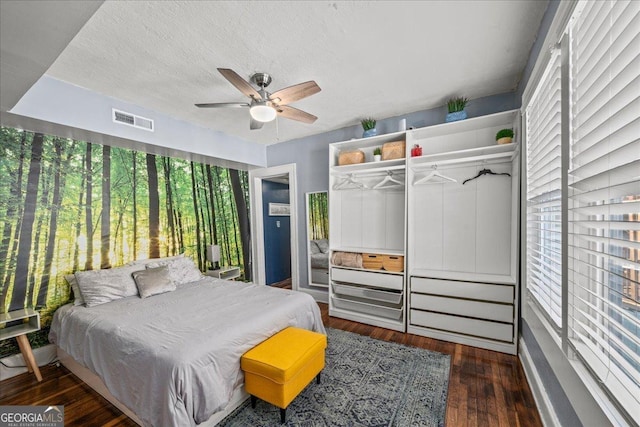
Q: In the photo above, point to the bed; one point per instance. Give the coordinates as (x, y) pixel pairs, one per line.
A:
(174, 358)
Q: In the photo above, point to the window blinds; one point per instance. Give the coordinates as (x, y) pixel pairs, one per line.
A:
(604, 195)
(544, 191)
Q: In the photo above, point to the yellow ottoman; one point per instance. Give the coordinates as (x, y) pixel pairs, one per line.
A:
(279, 368)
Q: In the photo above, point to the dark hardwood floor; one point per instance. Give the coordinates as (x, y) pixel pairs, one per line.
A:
(486, 388)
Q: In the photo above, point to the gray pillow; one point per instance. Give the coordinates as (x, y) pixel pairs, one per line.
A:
(101, 286)
(77, 295)
(153, 281)
(323, 244)
(313, 246)
(181, 270)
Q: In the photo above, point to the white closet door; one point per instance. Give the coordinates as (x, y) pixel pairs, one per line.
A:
(351, 218)
(427, 227)
(459, 222)
(493, 221)
(394, 226)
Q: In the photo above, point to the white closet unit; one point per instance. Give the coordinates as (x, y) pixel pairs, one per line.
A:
(462, 245)
(367, 212)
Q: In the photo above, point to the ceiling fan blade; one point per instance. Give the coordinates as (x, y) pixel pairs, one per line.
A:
(294, 93)
(241, 84)
(295, 114)
(223, 105)
(254, 124)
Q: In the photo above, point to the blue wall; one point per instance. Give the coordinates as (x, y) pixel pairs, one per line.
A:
(277, 239)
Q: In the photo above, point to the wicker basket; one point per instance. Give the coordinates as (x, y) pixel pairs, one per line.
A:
(350, 157)
(393, 150)
(393, 262)
(372, 261)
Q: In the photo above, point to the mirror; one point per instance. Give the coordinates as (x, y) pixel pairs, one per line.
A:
(318, 238)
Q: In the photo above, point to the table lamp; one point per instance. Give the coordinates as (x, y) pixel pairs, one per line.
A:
(213, 255)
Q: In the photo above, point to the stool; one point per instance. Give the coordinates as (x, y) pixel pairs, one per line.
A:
(279, 368)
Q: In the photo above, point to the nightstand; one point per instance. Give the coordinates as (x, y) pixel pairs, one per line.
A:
(226, 273)
(30, 323)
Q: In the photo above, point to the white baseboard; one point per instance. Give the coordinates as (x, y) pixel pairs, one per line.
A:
(545, 408)
(14, 365)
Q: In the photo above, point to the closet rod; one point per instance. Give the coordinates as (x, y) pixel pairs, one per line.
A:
(427, 165)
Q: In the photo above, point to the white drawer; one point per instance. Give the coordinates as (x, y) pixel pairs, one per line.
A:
(461, 307)
(372, 294)
(471, 290)
(378, 280)
(372, 309)
(479, 328)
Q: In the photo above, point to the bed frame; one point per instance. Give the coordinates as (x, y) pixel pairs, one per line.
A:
(93, 381)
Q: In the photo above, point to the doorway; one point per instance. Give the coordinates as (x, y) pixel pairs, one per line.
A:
(274, 222)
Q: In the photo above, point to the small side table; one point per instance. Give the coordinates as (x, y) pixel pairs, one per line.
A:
(30, 323)
(226, 273)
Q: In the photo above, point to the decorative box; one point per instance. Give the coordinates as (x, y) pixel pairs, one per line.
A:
(350, 157)
(393, 150)
(393, 262)
(372, 261)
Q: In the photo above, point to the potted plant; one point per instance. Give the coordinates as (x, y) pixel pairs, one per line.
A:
(504, 136)
(377, 154)
(369, 126)
(456, 109)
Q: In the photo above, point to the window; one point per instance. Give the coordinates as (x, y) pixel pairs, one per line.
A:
(599, 154)
(544, 252)
(604, 195)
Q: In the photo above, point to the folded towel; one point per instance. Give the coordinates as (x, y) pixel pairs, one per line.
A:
(347, 259)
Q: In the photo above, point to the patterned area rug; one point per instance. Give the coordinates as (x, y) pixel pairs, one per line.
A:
(365, 382)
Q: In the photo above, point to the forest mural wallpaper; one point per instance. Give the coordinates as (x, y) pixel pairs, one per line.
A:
(68, 205)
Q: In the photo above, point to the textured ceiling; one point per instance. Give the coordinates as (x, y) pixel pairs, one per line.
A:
(379, 59)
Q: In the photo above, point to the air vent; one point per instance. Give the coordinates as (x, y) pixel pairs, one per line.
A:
(132, 120)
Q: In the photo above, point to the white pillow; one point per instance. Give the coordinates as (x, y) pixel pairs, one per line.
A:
(181, 270)
(101, 286)
(153, 281)
(77, 295)
(143, 262)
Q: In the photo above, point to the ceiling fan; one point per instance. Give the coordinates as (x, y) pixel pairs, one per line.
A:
(265, 106)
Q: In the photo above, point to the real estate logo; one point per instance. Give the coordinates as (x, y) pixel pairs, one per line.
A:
(32, 416)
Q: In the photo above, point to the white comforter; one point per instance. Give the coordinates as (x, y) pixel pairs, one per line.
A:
(174, 358)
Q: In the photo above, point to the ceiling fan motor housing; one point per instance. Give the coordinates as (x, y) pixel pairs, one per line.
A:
(261, 79)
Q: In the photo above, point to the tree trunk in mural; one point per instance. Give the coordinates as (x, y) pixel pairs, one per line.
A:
(105, 224)
(220, 200)
(26, 227)
(214, 233)
(134, 189)
(53, 223)
(170, 220)
(195, 210)
(154, 207)
(37, 241)
(88, 265)
(243, 220)
(78, 226)
(234, 218)
(13, 214)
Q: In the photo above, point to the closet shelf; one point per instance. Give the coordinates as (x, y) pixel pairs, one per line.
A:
(358, 168)
(368, 250)
(492, 152)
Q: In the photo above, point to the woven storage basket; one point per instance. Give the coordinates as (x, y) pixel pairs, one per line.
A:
(372, 261)
(350, 157)
(393, 262)
(393, 150)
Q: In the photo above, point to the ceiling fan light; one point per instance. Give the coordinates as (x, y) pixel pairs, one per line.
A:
(262, 112)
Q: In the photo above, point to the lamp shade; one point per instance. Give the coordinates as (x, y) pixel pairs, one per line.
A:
(262, 112)
(213, 253)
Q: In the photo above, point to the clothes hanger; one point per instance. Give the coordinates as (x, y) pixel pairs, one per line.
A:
(485, 172)
(429, 179)
(349, 183)
(388, 182)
